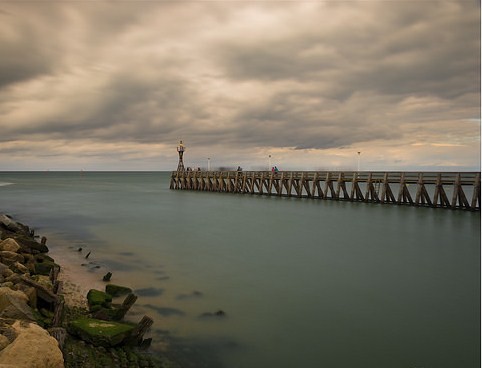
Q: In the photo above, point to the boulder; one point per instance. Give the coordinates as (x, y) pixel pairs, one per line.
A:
(33, 348)
(9, 258)
(8, 223)
(43, 280)
(30, 292)
(116, 312)
(29, 262)
(14, 278)
(4, 342)
(43, 264)
(117, 290)
(31, 246)
(98, 299)
(7, 330)
(9, 244)
(5, 271)
(13, 304)
(100, 333)
(108, 314)
(19, 268)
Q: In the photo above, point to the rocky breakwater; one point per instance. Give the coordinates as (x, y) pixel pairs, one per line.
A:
(38, 329)
(28, 301)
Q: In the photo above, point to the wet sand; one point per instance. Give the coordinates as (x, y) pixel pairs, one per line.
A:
(77, 279)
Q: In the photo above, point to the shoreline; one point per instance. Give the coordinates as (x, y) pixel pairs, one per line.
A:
(75, 288)
(56, 296)
(81, 275)
(77, 281)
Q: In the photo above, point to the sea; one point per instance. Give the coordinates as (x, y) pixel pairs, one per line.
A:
(249, 281)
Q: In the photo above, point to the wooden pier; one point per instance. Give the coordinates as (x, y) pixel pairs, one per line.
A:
(453, 190)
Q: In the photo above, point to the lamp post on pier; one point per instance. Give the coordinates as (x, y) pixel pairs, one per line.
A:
(180, 149)
(358, 166)
(209, 163)
(269, 162)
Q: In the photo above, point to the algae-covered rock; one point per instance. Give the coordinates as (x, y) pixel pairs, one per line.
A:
(108, 314)
(97, 298)
(117, 290)
(100, 333)
(43, 264)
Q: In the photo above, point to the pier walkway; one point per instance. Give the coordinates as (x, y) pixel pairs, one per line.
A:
(453, 190)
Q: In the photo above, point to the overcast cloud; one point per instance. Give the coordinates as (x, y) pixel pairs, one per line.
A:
(114, 85)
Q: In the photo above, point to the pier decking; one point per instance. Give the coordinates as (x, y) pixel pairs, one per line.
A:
(453, 190)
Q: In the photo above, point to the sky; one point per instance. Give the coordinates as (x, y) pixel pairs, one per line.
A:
(303, 85)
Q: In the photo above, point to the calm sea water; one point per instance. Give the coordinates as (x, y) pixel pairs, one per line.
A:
(303, 283)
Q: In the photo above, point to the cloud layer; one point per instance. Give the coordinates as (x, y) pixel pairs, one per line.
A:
(115, 85)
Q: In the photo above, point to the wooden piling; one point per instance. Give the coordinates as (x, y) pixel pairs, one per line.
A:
(141, 328)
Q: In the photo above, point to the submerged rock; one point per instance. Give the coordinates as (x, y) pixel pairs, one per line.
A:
(151, 291)
(219, 313)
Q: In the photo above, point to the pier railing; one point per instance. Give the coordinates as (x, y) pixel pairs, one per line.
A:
(454, 190)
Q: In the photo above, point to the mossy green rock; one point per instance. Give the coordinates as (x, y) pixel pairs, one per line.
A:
(117, 290)
(108, 314)
(98, 298)
(100, 333)
(43, 264)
